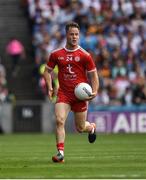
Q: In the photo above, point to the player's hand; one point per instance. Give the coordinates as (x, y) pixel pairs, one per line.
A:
(50, 94)
(92, 96)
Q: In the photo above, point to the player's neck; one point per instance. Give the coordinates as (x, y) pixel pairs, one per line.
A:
(71, 47)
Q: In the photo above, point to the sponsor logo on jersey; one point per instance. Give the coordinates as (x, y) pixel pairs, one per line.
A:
(69, 67)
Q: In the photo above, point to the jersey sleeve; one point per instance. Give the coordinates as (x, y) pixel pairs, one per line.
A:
(51, 61)
(90, 65)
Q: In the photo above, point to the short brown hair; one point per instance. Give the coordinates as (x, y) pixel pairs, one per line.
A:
(71, 24)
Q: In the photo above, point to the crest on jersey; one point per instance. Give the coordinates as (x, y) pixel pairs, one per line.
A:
(77, 58)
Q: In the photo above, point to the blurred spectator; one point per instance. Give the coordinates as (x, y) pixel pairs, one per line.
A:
(16, 51)
(2, 69)
(4, 92)
(139, 94)
(42, 88)
(119, 68)
(127, 97)
(102, 98)
(120, 83)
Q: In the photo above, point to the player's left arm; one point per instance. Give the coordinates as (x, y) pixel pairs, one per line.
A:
(94, 80)
(93, 76)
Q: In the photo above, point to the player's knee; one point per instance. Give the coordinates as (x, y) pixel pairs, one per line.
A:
(60, 121)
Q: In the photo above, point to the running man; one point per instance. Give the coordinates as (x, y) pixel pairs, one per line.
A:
(75, 65)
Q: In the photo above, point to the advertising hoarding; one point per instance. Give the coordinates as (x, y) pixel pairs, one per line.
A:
(116, 122)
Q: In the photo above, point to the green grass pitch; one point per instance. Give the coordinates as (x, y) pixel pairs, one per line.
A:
(111, 156)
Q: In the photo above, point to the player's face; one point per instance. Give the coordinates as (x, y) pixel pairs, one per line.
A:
(72, 37)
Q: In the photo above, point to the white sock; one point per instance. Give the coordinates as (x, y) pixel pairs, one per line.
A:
(92, 131)
(61, 152)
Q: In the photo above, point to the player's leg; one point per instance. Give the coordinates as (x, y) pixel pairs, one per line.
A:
(80, 121)
(61, 113)
(82, 125)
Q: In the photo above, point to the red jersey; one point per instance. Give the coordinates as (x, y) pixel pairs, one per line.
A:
(73, 66)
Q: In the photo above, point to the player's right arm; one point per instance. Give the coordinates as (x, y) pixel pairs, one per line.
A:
(48, 79)
(47, 75)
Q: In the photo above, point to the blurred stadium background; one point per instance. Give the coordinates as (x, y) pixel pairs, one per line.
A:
(113, 31)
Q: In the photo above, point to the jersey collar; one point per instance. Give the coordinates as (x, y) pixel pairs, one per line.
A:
(69, 50)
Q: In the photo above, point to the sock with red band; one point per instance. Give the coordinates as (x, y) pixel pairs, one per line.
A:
(60, 147)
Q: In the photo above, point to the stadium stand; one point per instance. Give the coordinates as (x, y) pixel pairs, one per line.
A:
(14, 24)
